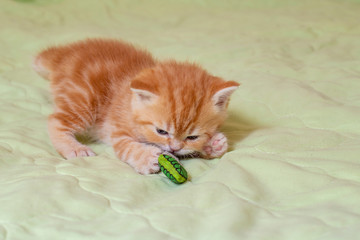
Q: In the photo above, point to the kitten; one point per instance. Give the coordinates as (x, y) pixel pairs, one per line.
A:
(137, 104)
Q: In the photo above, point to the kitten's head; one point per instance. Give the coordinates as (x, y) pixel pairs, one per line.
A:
(179, 106)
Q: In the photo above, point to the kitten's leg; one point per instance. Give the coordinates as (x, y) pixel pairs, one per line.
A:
(216, 146)
(142, 157)
(62, 128)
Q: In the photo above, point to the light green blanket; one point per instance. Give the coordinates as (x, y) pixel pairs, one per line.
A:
(293, 170)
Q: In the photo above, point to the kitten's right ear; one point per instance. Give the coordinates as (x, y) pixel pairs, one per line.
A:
(143, 95)
(144, 92)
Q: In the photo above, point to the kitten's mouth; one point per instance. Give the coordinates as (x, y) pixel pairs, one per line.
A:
(189, 155)
(184, 154)
(179, 155)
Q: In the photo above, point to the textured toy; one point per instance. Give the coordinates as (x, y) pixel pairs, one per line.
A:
(172, 168)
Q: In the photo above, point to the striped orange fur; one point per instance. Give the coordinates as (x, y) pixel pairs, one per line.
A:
(137, 104)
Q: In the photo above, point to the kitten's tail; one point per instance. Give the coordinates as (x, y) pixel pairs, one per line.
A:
(44, 62)
(39, 67)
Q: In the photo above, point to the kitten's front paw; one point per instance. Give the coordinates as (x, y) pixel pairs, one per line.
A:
(78, 151)
(216, 146)
(148, 161)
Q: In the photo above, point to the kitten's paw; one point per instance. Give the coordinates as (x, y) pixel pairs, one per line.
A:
(80, 151)
(148, 162)
(216, 146)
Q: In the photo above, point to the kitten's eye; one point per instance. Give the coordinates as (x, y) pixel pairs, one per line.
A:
(192, 137)
(161, 132)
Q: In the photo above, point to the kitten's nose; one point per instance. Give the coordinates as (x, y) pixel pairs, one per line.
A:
(174, 149)
(175, 146)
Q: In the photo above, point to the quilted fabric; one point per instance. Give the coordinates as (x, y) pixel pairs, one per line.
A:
(293, 169)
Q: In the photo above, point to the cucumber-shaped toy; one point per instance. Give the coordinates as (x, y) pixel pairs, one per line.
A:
(172, 168)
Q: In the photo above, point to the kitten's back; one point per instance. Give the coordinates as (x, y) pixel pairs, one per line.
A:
(98, 54)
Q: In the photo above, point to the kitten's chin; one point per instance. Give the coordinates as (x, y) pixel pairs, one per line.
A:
(182, 154)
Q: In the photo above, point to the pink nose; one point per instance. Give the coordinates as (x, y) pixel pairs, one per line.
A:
(175, 146)
(172, 149)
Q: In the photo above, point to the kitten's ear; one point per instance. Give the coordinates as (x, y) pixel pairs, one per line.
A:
(222, 94)
(143, 95)
(143, 91)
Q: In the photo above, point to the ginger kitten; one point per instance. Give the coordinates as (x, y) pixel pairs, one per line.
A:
(137, 104)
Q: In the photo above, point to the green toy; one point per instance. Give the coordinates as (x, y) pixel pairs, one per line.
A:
(172, 168)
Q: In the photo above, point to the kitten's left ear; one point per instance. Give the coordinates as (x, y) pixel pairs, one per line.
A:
(222, 94)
